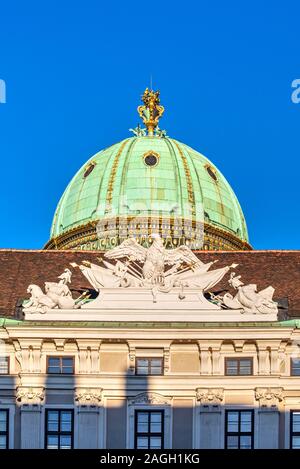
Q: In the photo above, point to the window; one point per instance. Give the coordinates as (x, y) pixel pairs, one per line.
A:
(295, 366)
(211, 171)
(3, 429)
(60, 365)
(59, 429)
(239, 429)
(151, 158)
(149, 429)
(149, 366)
(238, 366)
(4, 365)
(89, 169)
(295, 429)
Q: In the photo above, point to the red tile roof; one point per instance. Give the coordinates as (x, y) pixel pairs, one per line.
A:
(281, 269)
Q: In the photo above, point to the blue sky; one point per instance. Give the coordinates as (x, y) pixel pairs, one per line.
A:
(74, 73)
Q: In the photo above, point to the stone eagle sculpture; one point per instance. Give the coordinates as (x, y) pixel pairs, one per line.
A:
(155, 268)
(154, 258)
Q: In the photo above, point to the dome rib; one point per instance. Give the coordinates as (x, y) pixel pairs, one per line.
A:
(101, 179)
(110, 189)
(191, 160)
(169, 144)
(125, 172)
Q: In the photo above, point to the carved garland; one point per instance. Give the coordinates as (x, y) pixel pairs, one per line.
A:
(30, 395)
(88, 396)
(210, 396)
(269, 397)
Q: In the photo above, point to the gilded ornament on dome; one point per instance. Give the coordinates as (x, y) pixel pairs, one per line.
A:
(151, 111)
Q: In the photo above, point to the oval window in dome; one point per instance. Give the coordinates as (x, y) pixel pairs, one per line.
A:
(89, 169)
(151, 158)
(211, 172)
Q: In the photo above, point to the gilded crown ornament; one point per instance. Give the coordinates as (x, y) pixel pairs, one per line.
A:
(151, 111)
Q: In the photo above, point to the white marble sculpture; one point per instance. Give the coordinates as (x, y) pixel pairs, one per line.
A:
(248, 298)
(138, 283)
(57, 295)
(155, 268)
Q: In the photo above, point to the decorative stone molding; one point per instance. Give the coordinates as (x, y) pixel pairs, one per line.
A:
(269, 397)
(239, 345)
(166, 360)
(151, 398)
(263, 359)
(208, 396)
(88, 396)
(132, 352)
(132, 356)
(94, 237)
(28, 354)
(205, 359)
(30, 396)
(60, 345)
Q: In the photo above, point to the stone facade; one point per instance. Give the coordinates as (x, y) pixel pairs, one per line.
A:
(193, 391)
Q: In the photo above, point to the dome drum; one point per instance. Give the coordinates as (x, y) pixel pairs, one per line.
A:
(97, 237)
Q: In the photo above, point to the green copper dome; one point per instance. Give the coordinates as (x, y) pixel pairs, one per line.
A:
(145, 184)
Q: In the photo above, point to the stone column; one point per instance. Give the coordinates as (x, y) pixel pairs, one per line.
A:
(216, 357)
(88, 356)
(88, 417)
(268, 417)
(275, 363)
(30, 400)
(36, 359)
(263, 360)
(132, 359)
(95, 359)
(83, 360)
(28, 354)
(205, 358)
(210, 418)
(166, 360)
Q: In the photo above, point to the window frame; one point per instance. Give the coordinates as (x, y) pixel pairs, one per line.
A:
(149, 434)
(239, 433)
(61, 357)
(291, 367)
(6, 432)
(238, 359)
(8, 365)
(149, 366)
(59, 433)
(292, 411)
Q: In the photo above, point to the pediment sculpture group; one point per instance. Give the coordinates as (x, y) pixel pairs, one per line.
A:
(130, 265)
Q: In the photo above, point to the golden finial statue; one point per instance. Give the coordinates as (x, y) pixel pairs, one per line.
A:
(151, 111)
